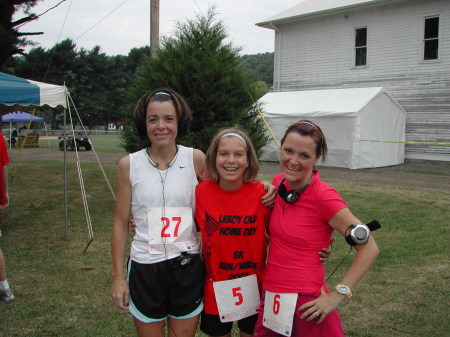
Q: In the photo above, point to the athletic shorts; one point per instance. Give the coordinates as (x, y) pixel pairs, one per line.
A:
(212, 326)
(330, 327)
(171, 288)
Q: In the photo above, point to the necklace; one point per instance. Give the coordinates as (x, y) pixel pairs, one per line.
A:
(162, 176)
(155, 163)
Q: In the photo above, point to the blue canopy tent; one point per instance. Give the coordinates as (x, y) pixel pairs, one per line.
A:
(19, 117)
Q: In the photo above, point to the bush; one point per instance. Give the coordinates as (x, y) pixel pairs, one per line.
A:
(208, 73)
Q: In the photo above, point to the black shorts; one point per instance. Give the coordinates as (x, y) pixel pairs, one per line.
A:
(212, 326)
(169, 288)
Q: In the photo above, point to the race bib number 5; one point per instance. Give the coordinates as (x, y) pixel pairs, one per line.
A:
(237, 299)
(279, 312)
(170, 231)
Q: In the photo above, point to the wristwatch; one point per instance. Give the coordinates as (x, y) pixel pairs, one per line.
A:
(344, 290)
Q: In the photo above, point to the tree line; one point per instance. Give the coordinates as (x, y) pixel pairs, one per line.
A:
(97, 82)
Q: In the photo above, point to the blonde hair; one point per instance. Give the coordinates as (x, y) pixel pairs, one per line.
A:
(250, 173)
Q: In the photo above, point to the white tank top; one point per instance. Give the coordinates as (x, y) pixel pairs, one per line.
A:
(180, 182)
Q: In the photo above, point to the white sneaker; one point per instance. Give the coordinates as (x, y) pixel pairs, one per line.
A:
(6, 295)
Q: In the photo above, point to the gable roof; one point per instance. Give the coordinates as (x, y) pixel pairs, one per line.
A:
(314, 7)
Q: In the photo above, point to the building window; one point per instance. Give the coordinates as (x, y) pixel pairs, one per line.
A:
(361, 46)
(431, 38)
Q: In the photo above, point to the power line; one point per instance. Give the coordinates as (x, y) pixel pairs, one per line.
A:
(48, 10)
(51, 59)
(59, 35)
(199, 9)
(101, 20)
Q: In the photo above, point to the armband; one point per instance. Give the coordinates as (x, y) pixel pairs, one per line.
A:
(359, 234)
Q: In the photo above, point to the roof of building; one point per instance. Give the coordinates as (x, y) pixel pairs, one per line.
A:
(314, 7)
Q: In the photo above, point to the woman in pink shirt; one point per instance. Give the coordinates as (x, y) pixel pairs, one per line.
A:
(297, 301)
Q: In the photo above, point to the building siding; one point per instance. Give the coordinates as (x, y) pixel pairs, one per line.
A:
(317, 53)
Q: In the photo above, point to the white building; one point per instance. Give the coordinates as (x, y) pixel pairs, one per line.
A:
(401, 45)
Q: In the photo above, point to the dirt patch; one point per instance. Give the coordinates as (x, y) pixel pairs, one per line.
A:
(416, 174)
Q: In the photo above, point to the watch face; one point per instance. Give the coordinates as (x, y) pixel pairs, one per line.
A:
(343, 289)
(360, 233)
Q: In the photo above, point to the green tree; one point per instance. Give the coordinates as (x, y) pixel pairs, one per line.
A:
(11, 40)
(201, 66)
(261, 65)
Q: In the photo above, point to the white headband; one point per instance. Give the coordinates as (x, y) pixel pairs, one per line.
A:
(162, 93)
(233, 134)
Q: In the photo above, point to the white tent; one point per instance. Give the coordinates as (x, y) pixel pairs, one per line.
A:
(364, 127)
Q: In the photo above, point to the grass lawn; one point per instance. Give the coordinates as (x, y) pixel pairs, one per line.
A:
(61, 291)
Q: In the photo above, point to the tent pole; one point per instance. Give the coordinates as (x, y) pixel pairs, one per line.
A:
(66, 231)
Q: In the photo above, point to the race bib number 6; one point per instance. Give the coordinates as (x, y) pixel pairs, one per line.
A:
(279, 312)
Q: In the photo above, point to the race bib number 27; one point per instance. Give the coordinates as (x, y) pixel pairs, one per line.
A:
(172, 232)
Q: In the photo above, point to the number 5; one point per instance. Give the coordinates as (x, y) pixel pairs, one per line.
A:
(236, 293)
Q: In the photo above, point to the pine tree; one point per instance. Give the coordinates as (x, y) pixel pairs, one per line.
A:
(205, 69)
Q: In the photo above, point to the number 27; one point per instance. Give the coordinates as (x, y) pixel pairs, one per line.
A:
(168, 223)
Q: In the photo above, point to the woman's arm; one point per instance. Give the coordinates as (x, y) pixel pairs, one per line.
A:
(366, 253)
(119, 290)
(365, 256)
(5, 184)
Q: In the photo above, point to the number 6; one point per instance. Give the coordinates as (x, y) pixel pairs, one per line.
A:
(276, 304)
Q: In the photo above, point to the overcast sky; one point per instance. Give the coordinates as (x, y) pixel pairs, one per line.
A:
(119, 25)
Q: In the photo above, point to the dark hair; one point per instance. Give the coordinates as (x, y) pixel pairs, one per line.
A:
(308, 128)
(250, 172)
(184, 115)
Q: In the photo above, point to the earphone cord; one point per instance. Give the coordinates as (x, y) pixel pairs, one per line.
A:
(335, 269)
(163, 183)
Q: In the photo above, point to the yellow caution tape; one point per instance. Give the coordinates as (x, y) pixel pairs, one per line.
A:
(390, 141)
(265, 122)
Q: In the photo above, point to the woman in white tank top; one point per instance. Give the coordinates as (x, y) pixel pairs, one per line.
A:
(156, 186)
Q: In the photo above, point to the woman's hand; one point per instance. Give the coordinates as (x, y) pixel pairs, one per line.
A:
(321, 306)
(268, 199)
(326, 252)
(120, 293)
(132, 225)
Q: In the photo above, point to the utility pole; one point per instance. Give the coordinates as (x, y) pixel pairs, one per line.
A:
(154, 27)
